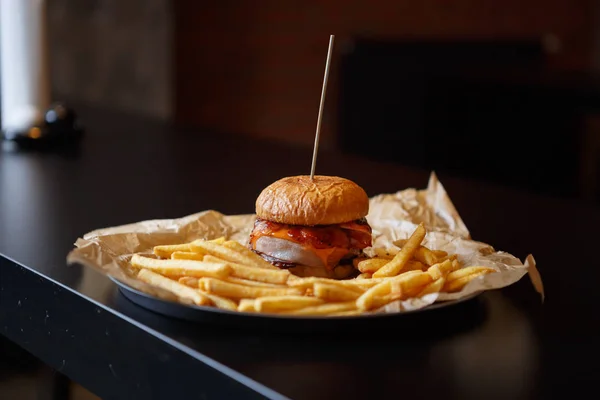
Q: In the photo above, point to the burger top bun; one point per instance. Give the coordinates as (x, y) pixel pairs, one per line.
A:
(325, 200)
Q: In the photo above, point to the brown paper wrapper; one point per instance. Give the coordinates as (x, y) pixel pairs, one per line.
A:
(392, 217)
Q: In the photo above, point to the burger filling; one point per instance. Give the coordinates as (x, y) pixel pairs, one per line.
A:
(323, 246)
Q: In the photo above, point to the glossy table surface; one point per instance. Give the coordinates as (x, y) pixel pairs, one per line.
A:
(503, 344)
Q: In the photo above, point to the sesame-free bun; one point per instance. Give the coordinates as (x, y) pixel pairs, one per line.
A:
(325, 200)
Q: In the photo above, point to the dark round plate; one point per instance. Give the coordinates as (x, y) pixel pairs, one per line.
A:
(213, 314)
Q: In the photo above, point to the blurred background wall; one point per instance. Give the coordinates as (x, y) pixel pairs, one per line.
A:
(511, 86)
(263, 61)
(113, 53)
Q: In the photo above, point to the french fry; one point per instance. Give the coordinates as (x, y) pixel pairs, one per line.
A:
(181, 267)
(456, 265)
(174, 287)
(247, 305)
(165, 251)
(433, 287)
(366, 301)
(395, 266)
(439, 254)
(414, 265)
(411, 286)
(457, 285)
(285, 303)
(258, 260)
(343, 271)
(189, 281)
(372, 264)
(306, 283)
(356, 260)
(440, 270)
(381, 301)
(461, 273)
(247, 282)
(219, 240)
(325, 309)
(424, 255)
(451, 257)
(346, 313)
(253, 273)
(404, 283)
(364, 284)
(228, 275)
(186, 255)
(236, 255)
(222, 302)
(400, 242)
(235, 291)
(334, 293)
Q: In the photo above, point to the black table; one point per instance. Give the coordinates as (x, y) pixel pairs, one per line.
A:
(504, 344)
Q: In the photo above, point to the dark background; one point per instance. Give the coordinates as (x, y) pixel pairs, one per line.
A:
(500, 91)
(506, 92)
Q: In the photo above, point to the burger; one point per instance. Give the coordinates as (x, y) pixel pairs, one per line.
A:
(313, 227)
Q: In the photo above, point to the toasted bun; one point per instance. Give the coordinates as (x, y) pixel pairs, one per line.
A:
(325, 200)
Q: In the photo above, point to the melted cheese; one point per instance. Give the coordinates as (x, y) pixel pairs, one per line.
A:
(330, 256)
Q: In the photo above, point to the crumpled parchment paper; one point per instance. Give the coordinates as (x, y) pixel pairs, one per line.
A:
(392, 217)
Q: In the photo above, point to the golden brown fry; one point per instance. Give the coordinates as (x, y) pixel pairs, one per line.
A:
(413, 265)
(372, 264)
(165, 251)
(254, 273)
(181, 267)
(433, 287)
(174, 287)
(411, 286)
(186, 255)
(219, 240)
(364, 275)
(306, 283)
(460, 273)
(384, 288)
(356, 260)
(375, 264)
(346, 313)
(189, 281)
(401, 286)
(247, 305)
(424, 255)
(451, 257)
(395, 266)
(456, 265)
(440, 270)
(325, 309)
(457, 285)
(285, 303)
(439, 254)
(250, 255)
(235, 291)
(222, 302)
(400, 242)
(247, 282)
(363, 284)
(334, 293)
(222, 251)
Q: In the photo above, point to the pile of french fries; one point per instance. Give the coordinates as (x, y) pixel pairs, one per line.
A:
(226, 274)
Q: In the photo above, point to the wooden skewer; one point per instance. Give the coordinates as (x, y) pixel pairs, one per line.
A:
(319, 118)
